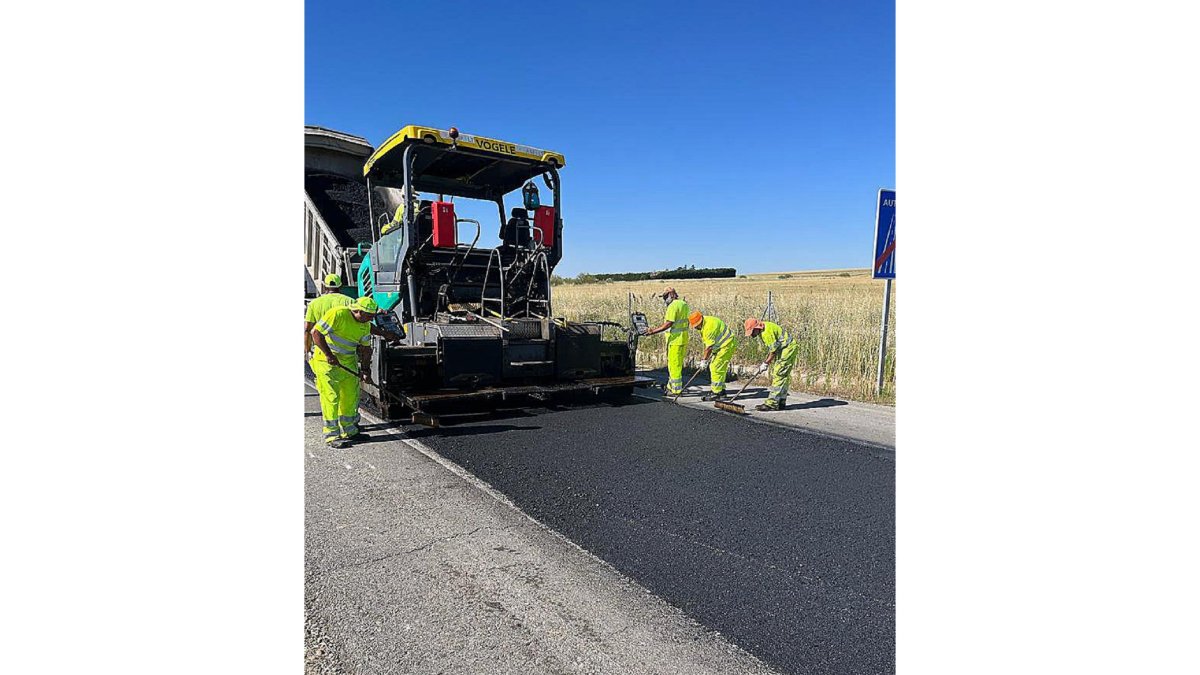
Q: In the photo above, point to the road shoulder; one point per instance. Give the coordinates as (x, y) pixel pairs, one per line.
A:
(838, 418)
(411, 568)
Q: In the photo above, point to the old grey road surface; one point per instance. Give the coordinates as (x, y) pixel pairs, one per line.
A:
(413, 568)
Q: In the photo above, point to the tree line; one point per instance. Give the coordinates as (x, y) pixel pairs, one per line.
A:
(682, 272)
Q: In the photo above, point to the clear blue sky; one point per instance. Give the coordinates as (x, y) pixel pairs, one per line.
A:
(751, 135)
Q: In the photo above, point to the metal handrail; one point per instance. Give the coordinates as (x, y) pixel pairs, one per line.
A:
(536, 241)
(478, 231)
(540, 263)
(450, 278)
(487, 273)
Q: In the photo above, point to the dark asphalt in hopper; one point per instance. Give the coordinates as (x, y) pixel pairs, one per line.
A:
(782, 541)
(343, 205)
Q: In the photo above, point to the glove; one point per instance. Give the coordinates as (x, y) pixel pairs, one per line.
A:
(702, 364)
(764, 366)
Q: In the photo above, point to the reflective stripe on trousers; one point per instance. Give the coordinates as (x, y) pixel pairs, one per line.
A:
(718, 368)
(330, 429)
(339, 399)
(675, 356)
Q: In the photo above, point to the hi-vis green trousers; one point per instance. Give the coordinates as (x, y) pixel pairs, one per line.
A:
(339, 399)
(675, 356)
(718, 368)
(781, 376)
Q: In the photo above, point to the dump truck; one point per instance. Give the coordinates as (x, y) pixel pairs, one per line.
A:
(337, 231)
(478, 322)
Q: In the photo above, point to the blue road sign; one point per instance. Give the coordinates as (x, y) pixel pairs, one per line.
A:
(884, 266)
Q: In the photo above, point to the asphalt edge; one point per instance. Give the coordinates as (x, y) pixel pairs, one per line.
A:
(779, 425)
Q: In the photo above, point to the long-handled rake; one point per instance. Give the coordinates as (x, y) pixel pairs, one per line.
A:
(355, 373)
(361, 377)
(732, 407)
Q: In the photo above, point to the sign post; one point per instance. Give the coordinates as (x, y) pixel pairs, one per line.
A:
(884, 266)
(769, 314)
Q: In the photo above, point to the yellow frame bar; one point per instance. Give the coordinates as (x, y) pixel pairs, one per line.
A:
(480, 143)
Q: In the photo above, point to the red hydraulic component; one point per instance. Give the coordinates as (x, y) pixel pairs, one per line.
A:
(444, 235)
(543, 222)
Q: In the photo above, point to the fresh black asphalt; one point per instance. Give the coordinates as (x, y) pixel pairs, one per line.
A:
(781, 540)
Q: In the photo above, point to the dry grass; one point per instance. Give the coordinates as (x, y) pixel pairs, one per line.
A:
(834, 313)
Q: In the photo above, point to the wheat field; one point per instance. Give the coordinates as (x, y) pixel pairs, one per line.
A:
(833, 313)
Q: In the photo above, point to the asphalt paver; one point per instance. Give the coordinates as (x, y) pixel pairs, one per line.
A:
(781, 540)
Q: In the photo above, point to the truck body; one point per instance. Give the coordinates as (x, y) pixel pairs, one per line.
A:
(336, 227)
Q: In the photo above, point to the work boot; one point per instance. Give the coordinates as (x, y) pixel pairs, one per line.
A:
(714, 397)
(766, 407)
(338, 443)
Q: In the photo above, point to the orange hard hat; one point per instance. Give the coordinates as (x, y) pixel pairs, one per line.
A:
(751, 324)
(694, 319)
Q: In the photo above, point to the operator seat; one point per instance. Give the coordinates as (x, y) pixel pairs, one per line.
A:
(516, 231)
(424, 220)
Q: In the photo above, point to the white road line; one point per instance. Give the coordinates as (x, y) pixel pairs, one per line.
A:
(465, 475)
(462, 473)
